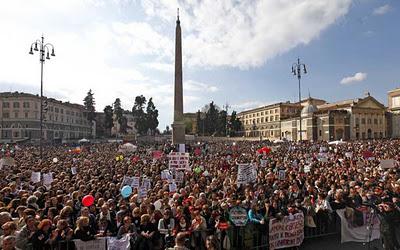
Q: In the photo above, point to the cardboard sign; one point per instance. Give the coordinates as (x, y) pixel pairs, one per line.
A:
(179, 175)
(387, 163)
(178, 161)
(172, 187)
(245, 174)
(35, 177)
(287, 232)
(47, 179)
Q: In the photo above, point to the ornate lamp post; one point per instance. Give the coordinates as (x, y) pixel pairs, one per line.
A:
(296, 70)
(44, 54)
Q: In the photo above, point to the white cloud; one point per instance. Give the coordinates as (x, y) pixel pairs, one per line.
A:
(358, 77)
(382, 10)
(164, 67)
(195, 86)
(245, 33)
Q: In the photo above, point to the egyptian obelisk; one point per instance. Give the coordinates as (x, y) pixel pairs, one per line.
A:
(178, 127)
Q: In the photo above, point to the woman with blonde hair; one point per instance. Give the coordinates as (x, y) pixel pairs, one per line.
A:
(82, 231)
(147, 232)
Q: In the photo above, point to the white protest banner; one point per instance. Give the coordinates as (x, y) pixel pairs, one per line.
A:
(172, 187)
(97, 244)
(281, 174)
(287, 232)
(35, 177)
(387, 163)
(165, 174)
(47, 179)
(352, 232)
(178, 161)
(263, 163)
(146, 183)
(179, 175)
(245, 174)
(135, 182)
(142, 192)
(7, 161)
(127, 181)
(182, 148)
(119, 244)
(73, 170)
(307, 169)
(348, 154)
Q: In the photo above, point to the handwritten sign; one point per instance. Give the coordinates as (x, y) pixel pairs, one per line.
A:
(178, 161)
(387, 163)
(47, 179)
(287, 232)
(246, 174)
(97, 244)
(35, 177)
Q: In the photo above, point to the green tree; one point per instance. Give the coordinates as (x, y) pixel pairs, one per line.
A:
(221, 123)
(90, 110)
(210, 124)
(124, 125)
(108, 119)
(139, 114)
(118, 111)
(151, 116)
(235, 125)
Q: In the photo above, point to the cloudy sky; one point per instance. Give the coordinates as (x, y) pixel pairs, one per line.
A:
(234, 51)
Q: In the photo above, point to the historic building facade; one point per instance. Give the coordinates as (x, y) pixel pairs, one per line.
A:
(394, 112)
(20, 118)
(361, 118)
(265, 122)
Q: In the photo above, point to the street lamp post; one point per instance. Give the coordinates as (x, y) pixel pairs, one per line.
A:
(44, 49)
(296, 70)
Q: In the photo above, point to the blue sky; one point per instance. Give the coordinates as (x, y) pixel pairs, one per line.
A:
(236, 52)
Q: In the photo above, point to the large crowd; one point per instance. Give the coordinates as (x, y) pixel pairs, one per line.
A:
(318, 179)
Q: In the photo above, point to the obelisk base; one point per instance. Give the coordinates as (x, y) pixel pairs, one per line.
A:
(178, 133)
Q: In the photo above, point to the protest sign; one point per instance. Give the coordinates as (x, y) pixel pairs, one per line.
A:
(281, 174)
(179, 175)
(307, 169)
(114, 243)
(127, 181)
(178, 161)
(35, 177)
(387, 163)
(97, 244)
(238, 216)
(245, 174)
(172, 187)
(263, 163)
(73, 170)
(135, 182)
(182, 148)
(47, 179)
(165, 174)
(348, 154)
(6, 161)
(287, 232)
(357, 233)
(146, 183)
(142, 192)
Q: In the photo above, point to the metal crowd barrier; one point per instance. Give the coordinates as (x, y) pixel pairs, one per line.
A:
(251, 236)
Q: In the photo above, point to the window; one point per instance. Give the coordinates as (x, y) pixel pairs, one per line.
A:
(25, 105)
(375, 121)
(258, 120)
(62, 111)
(6, 105)
(396, 102)
(380, 121)
(16, 114)
(277, 118)
(357, 121)
(6, 115)
(16, 105)
(362, 120)
(26, 115)
(272, 118)
(56, 110)
(16, 134)
(320, 133)
(262, 119)
(262, 113)
(369, 121)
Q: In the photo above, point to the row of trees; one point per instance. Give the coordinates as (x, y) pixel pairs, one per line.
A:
(146, 121)
(213, 121)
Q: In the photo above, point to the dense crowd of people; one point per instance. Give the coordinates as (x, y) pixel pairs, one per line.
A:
(313, 178)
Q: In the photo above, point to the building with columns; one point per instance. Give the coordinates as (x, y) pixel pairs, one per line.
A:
(20, 119)
(265, 122)
(360, 118)
(394, 112)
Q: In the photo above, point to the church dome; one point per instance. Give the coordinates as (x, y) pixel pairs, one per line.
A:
(309, 109)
